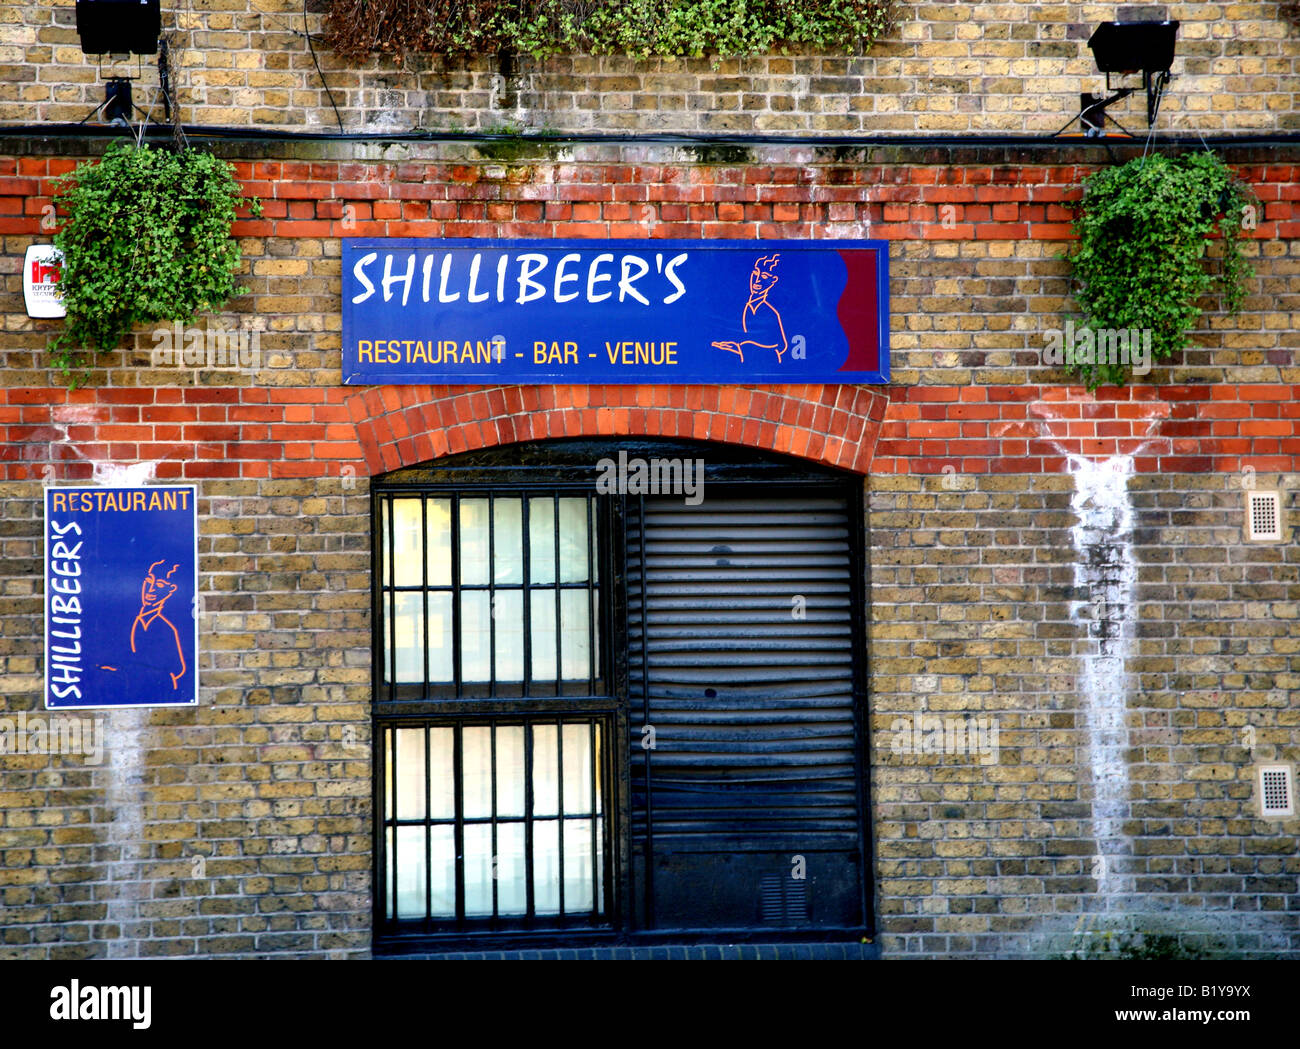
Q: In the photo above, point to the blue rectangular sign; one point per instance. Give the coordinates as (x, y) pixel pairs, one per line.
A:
(477, 312)
(121, 579)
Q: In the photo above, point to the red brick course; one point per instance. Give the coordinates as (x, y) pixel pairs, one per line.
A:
(275, 432)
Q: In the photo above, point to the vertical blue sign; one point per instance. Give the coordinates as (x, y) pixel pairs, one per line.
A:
(121, 575)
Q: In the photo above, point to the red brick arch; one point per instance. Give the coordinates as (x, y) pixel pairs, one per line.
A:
(404, 425)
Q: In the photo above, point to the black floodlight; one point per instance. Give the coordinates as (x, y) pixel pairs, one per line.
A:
(1133, 47)
(1127, 49)
(119, 27)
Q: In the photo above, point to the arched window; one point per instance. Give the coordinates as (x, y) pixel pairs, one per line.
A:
(619, 692)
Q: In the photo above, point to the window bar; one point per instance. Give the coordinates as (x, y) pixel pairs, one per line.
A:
(591, 605)
(428, 829)
(457, 596)
(391, 808)
(526, 542)
(645, 720)
(492, 627)
(559, 667)
(392, 606)
(496, 859)
(594, 751)
(531, 908)
(457, 764)
(424, 598)
(559, 776)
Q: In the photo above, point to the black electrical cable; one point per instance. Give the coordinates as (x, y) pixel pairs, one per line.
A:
(312, 48)
(164, 78)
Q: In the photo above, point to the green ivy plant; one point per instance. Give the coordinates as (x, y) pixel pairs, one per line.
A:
(639, 28)
(1140, 260)
(146, 239)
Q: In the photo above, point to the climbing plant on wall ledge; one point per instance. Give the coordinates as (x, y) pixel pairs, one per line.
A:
(1143, 229)
(147, 239)
(640, 28)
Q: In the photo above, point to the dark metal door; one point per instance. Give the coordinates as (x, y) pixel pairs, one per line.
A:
(744, 734)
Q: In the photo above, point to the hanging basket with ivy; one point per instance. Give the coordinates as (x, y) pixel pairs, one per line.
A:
(1140, 264)
(146, 239)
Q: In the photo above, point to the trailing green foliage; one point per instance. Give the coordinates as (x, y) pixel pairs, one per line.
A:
(147, 239)
(1139, 264)
(639, 28)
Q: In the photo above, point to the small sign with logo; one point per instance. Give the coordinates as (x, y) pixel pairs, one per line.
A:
(42, 266)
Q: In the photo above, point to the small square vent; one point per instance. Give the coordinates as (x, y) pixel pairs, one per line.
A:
(1263, 517)
(783, 900)
(1276, 791)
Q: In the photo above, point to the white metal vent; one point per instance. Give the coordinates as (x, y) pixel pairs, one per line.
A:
(1276, 791)
(1263, 517)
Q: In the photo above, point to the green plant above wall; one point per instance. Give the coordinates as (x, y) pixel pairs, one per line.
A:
(1140, 264)
(640, 28)
(146, 239)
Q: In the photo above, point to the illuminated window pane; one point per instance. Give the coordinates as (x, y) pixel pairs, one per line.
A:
(477, 771)
(475, 636)
(478, 870)
(577, 769)
(408, 567)
(541, 540)
(408, 634)
(512, 869)
(411, 877)
(579, 884)
(384, 515)
(573, 541)
(508, 541)
(508, 625)
(389, 793)
(575, 639)
(442, 867)
(546, 866)
(474, 559)
(510, 770)
(442, 774)
(411, 778)
(546, 795)
(438, 540)
(542, 635)
(442, 668)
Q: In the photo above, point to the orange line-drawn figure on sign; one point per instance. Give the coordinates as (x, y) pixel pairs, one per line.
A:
(760, 320)
(154, 592)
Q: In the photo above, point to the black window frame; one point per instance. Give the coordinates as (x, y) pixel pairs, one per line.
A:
(560, 466)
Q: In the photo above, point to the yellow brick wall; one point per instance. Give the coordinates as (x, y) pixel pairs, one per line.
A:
(945, 68)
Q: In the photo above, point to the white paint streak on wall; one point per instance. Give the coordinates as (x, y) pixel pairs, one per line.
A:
(103, 473)
(128, 475)
(124, 845)
(1106, 570)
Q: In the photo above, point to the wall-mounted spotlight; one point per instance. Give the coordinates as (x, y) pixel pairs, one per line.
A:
(1126, 49)
(116, 27)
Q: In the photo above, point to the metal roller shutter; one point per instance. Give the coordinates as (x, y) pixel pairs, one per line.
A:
(741, 661)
